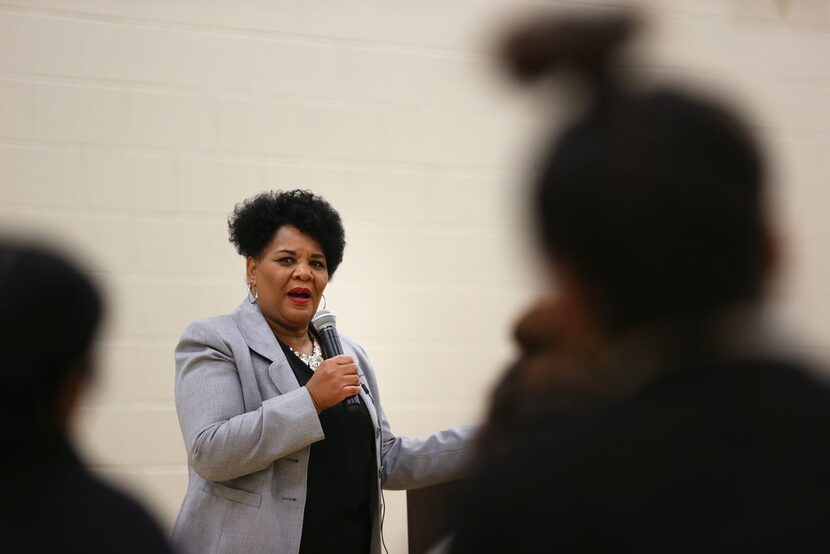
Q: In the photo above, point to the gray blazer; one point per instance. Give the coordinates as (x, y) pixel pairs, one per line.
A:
(248, 428)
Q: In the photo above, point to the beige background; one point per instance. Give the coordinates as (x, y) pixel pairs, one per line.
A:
(128, 130)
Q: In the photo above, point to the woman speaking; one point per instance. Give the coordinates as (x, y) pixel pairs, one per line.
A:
(276, 462)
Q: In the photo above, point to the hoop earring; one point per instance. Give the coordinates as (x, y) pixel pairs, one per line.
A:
(252, 294)
(324, 301)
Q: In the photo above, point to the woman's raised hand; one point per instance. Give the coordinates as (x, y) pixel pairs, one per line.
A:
(335, 380)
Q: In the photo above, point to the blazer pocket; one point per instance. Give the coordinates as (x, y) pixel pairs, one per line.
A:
(234, 495)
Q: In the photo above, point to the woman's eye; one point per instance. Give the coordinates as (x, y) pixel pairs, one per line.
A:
(318, 265)
(286, 261)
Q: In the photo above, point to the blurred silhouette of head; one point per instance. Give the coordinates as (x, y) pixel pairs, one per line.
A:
(651, 198)
(49, 312)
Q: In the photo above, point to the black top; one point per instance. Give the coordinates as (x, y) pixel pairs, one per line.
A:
(719, 457)
(51, 503)
(341, 476)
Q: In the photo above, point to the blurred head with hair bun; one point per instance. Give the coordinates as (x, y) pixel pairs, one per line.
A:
(651, 203)
(651, 409)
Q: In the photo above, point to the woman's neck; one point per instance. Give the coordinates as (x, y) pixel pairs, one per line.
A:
(296, 338)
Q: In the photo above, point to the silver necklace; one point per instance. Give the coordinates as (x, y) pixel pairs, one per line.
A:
(312, 360)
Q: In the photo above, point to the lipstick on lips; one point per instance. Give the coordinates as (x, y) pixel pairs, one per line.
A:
(299, 295)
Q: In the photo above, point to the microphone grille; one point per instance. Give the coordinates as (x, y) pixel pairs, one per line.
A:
(323, 319)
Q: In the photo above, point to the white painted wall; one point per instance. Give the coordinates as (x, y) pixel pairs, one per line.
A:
(128, 130)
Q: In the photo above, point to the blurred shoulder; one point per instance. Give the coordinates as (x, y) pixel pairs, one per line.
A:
(128, 525)
(84, 514)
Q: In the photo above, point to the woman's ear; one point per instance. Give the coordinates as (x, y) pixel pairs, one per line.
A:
(250, 269)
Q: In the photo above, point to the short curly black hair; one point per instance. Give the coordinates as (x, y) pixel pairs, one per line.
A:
(255, 220)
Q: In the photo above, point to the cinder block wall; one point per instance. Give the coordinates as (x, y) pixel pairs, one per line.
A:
(128, 130)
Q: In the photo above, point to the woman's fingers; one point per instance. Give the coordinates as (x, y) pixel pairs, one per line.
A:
(335, 380)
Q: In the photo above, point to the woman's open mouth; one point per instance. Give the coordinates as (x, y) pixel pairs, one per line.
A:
(299, 295)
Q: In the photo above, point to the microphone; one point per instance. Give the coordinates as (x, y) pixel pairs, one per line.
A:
(324, 326)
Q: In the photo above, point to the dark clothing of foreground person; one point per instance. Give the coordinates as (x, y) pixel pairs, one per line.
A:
(49, 314)
(52, 504)
(718, 456)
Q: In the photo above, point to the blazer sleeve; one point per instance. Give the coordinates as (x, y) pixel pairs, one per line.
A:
(408, 463)
(223, 441)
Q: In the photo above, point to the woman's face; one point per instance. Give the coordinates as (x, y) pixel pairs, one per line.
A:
(289, 278)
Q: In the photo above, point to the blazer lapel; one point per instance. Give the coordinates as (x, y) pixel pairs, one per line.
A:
(261, 340)
(282, 376)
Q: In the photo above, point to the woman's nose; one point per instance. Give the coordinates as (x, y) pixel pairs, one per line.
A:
(303, 273)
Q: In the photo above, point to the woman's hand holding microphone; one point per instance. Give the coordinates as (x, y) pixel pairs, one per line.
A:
(335, 380)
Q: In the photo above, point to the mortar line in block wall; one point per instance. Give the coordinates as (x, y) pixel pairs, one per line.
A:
(371, 45)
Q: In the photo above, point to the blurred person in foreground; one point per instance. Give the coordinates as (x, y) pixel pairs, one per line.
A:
(49, 314)
(277, 463)
(651, 410)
